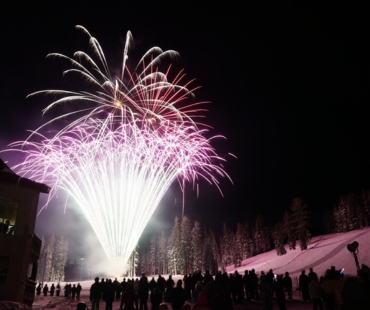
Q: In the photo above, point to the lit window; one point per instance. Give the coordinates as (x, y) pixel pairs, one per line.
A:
(8, 215)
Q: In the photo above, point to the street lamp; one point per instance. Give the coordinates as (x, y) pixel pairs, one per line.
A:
(353, 248)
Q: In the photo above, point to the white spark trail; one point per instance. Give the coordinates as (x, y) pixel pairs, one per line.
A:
(121, 151)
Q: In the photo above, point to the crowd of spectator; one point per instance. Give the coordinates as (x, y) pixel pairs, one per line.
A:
(330, 291)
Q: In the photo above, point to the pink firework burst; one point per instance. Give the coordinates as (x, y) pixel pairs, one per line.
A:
(120, 153)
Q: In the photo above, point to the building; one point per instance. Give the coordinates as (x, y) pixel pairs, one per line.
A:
(19, 246)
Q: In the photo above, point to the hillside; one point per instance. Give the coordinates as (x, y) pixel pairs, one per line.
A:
(322, 253)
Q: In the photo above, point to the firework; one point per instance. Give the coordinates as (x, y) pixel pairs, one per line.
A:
(133, 137)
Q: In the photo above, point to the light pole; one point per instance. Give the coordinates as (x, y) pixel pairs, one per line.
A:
(353, 248)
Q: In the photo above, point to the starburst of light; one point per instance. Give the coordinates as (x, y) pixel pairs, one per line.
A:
(121, 152)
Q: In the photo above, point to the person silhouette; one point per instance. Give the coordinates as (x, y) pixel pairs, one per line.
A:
(4, 226)
(45, 290)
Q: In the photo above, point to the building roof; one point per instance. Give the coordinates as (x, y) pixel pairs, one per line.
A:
(9, 176)
(4, 167)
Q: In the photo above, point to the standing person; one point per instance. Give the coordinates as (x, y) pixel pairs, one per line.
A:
(169, 288)
(288, 285)
(78, 291)
(178, 296)
(197, 290)
(155, 298)
(232, 287)
(161, 284)
(221, 298)
(270, 276)
(239, 287)
(129, 298)
(266, 290)
(329, 286)
(198, 277)
(117, 288)
(143, 292)
(136, 285)
(67, 290)
(246, 283)
(52, 289)
(311, 275)
(38, 289)
(5, 226)
(102, 284)
(315, 291)
(354, 293)
(57, 290)
(123, 285)
(188, 286)
(109, 294)
(95, 294)
(207, 277)
(45, 290)
(152, 285)
(303, 284)
(73, 292)
(254, 285)
(279, 292)
(202, 302)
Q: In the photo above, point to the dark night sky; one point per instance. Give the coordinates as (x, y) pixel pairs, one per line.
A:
(289, 86)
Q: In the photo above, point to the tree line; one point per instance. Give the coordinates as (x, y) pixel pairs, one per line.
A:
(190, 248)
(52, 260)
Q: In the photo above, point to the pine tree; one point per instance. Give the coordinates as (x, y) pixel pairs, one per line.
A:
(353, 212)
(278, 238)
(289, 230)
(328, 222)
(349, 214)
(301, 221)
(247, 243)
(261, 236)
(252, 248)
(162, 254)
(41, 261)
(365, 203)
(343, 214)
(49, 252)
(186, 247)
(144, 264)
(209, 262)
(240, 245)
(152, 262)
(60, 259)
(212, 240)
(338, 220)
(174, 248)
(210, 253)
(226, 247)
(133, 262)
(196, 244)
